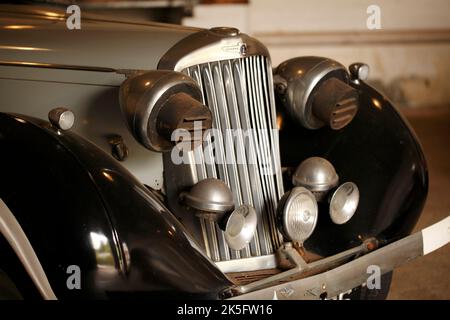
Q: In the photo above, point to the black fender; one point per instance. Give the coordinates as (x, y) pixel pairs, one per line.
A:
(79, 206)
(378, 151)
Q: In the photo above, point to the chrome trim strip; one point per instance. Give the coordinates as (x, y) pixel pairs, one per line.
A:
(16, 237)
(55, 66)
(248, 264)
(208, 45)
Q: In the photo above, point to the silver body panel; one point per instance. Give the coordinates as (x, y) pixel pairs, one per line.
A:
(91, 95)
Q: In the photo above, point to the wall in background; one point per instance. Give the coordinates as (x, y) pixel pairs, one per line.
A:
(409, 55)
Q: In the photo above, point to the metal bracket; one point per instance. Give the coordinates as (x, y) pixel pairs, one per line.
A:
(288, 255)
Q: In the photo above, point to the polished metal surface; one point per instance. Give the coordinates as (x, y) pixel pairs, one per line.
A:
(209, 195)
(239, 95)
(142, 97)
(359, 71)
(225, 31)
(235, 76)
(344, 202)
(240, 227)
(216, 44)
(300, 267)
(54, 66)
(61, 118)
(297, 78)
(316, 174)
(344, 277)
(299, 214)
(251, 264)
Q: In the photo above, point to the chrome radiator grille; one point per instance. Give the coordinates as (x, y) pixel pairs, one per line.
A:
(239, 93)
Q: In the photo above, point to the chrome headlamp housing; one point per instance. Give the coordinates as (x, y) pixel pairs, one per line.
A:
(297, 214)
(210, 198)
(316, 92)
(317, 175)
(156, 103)
(344, 202)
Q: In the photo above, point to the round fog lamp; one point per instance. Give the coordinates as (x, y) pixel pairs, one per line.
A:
(344, 202)
(297, 214)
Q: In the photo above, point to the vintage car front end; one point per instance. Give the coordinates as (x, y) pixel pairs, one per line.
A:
(177, 162)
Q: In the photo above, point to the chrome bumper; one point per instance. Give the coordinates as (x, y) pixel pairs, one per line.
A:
(352, 274)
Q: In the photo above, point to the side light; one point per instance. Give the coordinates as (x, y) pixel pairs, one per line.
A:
(61, 118)
(359, 71)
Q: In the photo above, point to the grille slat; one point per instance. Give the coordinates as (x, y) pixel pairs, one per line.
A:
(252, 98)
(208, 169)
(221, 167)
(268, 139)
(257, 197)
(263, 143)
(265, 140)
(242, 168)
(239, 94)
(230, 156)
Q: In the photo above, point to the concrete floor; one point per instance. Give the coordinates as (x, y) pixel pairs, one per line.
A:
(429, 277)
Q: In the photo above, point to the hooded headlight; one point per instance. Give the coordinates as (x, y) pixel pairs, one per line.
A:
(316, 92)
